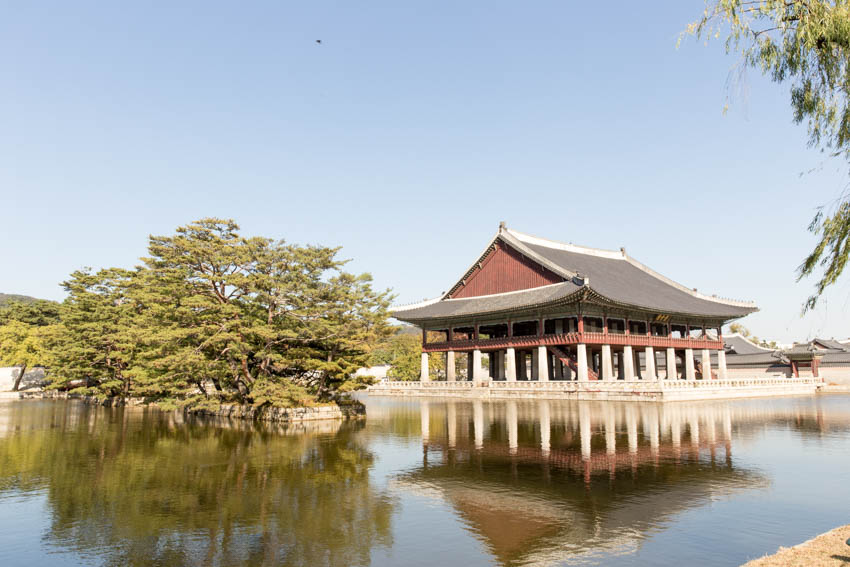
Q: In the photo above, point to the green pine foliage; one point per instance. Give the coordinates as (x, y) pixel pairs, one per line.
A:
(211, 316)
(26, 328)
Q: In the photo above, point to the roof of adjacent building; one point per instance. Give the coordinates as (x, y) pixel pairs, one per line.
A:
(613, 275)
(830, 344)
(737, 343)
(828, 350)
(741, 351)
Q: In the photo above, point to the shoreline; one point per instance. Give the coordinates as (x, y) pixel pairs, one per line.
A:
(826, 550)
(352, 410)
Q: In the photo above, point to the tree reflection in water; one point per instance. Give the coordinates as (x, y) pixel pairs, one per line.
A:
(143, 487)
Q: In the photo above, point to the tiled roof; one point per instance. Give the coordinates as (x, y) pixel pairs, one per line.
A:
(487, 304)
(831, 344)
(835, 353)
(739, 344)
(836, 358)
(613, 275)
(761, 358)
(622, 279)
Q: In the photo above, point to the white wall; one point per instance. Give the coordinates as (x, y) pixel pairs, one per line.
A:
(839, 374)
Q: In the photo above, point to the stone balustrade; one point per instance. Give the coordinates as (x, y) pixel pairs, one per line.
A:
(622, 390)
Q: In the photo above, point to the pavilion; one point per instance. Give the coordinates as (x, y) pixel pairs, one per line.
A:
(534, 309)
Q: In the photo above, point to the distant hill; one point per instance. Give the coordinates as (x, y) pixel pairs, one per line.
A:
(7, 297)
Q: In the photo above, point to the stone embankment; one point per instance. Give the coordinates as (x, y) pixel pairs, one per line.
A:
(349, 409)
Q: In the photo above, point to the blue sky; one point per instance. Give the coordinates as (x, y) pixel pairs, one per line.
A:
(405, 137)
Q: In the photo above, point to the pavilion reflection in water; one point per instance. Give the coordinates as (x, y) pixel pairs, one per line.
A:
(542, 481)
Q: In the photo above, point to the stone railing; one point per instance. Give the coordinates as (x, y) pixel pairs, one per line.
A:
(561, 384)
(418, 384)
(610, 389)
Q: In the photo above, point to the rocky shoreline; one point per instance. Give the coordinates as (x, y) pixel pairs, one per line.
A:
(351, 409)
(824, 550)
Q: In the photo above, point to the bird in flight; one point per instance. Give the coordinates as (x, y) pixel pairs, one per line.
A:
(319, 41)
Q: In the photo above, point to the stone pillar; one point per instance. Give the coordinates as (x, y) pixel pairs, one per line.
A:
(706, 364)
(535, 368)
(628, 363)
(581, 364)
(469, 367)
(450, 366)
(672, 374)
(636, 356)
(542, 363)
(721, 364)
(510, 365)
(477, 374)
(607, 368)
(500, 356)
(423, 369)
(649, 354)
(558, 369)
(690, 373)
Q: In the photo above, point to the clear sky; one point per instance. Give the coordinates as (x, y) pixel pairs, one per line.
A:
(405, 137)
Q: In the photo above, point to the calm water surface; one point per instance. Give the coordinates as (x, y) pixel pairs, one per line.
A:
(424, 483)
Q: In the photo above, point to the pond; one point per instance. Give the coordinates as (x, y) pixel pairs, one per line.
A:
(424, 482)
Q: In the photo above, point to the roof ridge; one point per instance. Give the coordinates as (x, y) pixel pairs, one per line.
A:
(508, 292)
(740, 336)
(548, 242)
(622, 255)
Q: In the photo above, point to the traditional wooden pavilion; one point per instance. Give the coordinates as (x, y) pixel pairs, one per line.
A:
(545, 310)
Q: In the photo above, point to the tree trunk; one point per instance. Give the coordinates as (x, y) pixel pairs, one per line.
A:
(19, 378)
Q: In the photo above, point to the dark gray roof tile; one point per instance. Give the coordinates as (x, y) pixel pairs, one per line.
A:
(612, 275)
(487, 304)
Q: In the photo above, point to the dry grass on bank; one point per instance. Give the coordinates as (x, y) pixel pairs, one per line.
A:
(826, 550)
